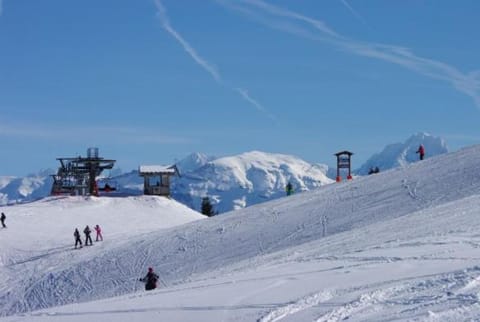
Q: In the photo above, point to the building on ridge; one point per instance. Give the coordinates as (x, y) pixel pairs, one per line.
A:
(157, 178)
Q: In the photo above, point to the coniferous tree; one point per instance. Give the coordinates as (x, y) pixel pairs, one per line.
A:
(207, 208)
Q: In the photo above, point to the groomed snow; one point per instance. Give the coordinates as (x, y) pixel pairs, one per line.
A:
(401, 245)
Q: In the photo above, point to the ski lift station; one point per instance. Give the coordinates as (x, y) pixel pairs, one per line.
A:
(77, 175)
(156, 179)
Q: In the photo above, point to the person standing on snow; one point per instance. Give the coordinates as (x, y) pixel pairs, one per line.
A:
(78, 241)
(421, 151)
(87, 232)
(150, 280)
(2, 219)
(98, 230)
(289, 188)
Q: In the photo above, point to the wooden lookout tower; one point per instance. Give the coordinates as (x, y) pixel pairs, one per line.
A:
(344, 159)
(76, 175)
(156, 179)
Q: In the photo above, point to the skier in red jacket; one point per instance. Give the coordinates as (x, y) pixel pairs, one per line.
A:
(421, 151)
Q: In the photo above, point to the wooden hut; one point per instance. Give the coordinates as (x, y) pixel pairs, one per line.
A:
(156, 179)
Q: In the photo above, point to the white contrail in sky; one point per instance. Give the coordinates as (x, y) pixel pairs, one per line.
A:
(283, 25)
(320, 25)
(162, 13)
(466, 83)
(355, 13)
(247, 97)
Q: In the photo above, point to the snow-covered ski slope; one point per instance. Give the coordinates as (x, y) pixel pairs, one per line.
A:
(401, 245)
(38, 241)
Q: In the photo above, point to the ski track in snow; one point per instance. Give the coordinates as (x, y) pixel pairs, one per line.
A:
(435, 298)
(302, 304)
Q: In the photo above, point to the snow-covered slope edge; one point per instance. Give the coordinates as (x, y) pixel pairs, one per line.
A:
(183, 252)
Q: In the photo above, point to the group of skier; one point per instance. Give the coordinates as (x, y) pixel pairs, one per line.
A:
(88, 239)
(373, 170)
(150, 279)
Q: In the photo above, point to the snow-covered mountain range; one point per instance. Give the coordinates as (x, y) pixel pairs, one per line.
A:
(24, 189)
(236, 181)
(247, 179)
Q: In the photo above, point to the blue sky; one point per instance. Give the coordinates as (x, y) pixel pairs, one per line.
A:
(149, 82)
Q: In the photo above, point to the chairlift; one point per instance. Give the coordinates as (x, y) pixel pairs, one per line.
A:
(107, 184)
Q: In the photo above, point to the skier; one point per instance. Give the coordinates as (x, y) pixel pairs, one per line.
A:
(150, 280)
(98, 230)
(289, 189)
(78, 241)
(2, 219)
(87, 232)
(421, 151)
